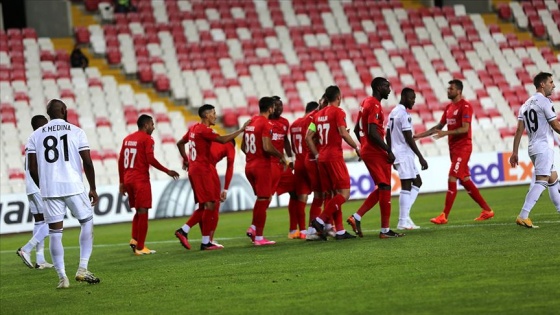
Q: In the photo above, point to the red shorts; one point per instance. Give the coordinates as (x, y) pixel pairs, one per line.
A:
(287, 182)
(334, 175)
(460, 164)
(139, 194)
(378, 167)
(260, 179)
(301, 178)
(205, 185)
(312, 171)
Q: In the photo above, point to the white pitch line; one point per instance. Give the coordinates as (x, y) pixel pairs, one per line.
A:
(278, 236)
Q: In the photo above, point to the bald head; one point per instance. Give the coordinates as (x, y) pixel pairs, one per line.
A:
(56, 109)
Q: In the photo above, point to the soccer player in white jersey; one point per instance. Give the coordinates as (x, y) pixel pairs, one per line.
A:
(538, 118)
(404, 148)
(36, 207)
(55, 154)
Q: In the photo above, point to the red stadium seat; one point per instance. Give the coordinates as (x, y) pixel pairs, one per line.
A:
(82, 35)
(102, 122)
(113, 56)
(109, 154)
(9, 118)
(167, 139)
(162, 117)
(16, 173)
(229, 119)
(95, 155)
(504, 12)
(145, 74)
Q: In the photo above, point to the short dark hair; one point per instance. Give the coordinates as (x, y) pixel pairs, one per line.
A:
(143, 120)
(377, 81)
(331, 93)
(457, 83)
(541, 78)
(311, 106)
(276, 98)
(265, 103)
(38, 121)
(406, 91)
(202, 110)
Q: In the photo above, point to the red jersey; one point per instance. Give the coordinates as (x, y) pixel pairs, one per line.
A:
(135, 158)
(371, 112)
(298, 131)
(454, 115)
(200, 139)
(219, 151)
(327, 121)
(279, 133)
(259, 128)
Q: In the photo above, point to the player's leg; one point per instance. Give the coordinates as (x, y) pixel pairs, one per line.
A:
(55, 209)
(40, 232)
(553, 190)
(129, 189)
(542, 175)
(404, 203)
(465, 179)
(312, 172)
(371, 200)
(416, 184)
(451, 194)
(264, 185)
(143, 202)
(300, 213)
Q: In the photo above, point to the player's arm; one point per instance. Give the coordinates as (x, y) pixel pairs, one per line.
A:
(430, 131)
(89, 170)
(412, 144)
(181, 146)
(390, 155)
(348, 139)
(33, 167)
(357, 129)
(121, 171)
(514, 158)
(229, 170)
(243, 145)
(309, 136)
(463, 129)
(270, 149)
(376, 138)
(288, 147)
(227, 138)
(555, 125)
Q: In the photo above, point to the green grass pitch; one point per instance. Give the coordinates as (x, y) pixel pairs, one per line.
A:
(464, 267)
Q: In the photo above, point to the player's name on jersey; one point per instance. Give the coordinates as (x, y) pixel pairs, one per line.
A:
(250, 128)
(322, 118)
(131, 143)
(296, 129)
(55, 128)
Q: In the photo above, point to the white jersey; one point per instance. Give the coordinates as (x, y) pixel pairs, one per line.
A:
(57, 146)
(30, 186)
(536, 114)
(399, 121)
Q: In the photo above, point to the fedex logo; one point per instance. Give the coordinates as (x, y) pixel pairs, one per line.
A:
(500, 171)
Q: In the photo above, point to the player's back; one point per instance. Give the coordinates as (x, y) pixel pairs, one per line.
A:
(135, 149)
(327, 122)
(399, 121)
(200, 141)
(259, 127)
(371, 112)
(535, 113)
(298, 131)
(57, 146)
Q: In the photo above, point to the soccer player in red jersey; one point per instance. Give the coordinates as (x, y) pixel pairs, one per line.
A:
(135, 158)
(203, 176)
(377, 156)
(330, 123)
(284, 177)
(258, 148)
(457, 116)
(218, 151)
(306, 177)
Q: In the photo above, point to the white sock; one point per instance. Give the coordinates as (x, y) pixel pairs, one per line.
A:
(328, 226)
(205, 239)
(259, 238)
(554, 194)
(40, 231)
(186, 228)
(86, 242)
(320, 221)
(532, 198)
(357, 217)
(311, 230)
(341, 232)
(57, 252)
(404, 205)
(253, 227)
(414, 194)
(385, 230)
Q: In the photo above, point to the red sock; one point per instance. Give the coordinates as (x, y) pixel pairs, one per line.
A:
(215, 221)
(337, 220)
(135, 226)
(369, 203)
(142, 230)
(385, 207)
(315, 209)
(475, 194)
(300, 206)
(292, 211)
(450, 197)
(195, 218)
(207, 222)
(259, 215)
(334, 204)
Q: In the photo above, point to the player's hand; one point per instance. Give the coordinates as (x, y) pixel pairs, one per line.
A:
(93, 197)
(424, 164)
(173, 174)
(185, 164)
(358, 154)
(513, 160)
(121, 190)
(439, 134)
(285, 162)
(223, 195)
(245, 124)
(391, 157)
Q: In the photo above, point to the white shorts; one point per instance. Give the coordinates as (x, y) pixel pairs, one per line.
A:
(36, 205)
(79, 205)
(406, 168)
(544, 163)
